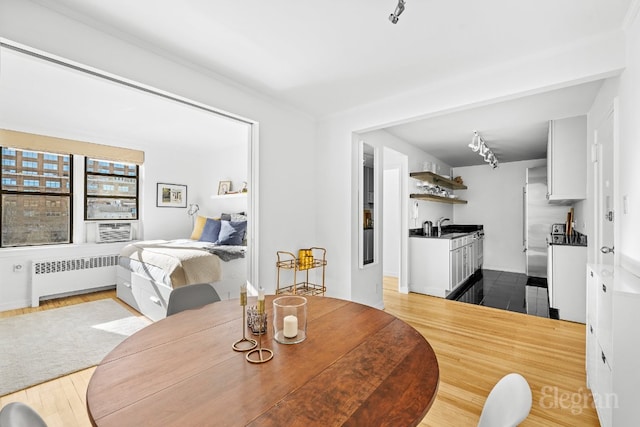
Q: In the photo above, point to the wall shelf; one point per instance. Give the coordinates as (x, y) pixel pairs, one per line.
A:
(436, 179)
(434, 198)
(229, 196)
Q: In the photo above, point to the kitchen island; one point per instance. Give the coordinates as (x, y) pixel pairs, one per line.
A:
(439, 264)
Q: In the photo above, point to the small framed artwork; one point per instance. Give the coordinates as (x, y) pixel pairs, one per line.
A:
(171, 195)
(224, 187)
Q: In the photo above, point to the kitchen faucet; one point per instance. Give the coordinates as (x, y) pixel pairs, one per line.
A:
(439, 224)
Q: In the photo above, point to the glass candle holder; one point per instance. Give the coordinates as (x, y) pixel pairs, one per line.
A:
(257, 325)
(290, 319)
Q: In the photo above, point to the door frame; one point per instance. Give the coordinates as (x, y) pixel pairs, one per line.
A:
(612, 113)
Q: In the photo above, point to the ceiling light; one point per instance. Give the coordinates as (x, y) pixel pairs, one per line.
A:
(396, 13)
(475, 142)
(478, 145)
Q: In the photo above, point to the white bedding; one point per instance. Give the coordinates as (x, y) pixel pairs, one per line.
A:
(180, 262)
(146, 286)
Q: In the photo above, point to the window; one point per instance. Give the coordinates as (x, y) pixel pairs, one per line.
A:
(27, 164)
(35, 210)
(111, 190)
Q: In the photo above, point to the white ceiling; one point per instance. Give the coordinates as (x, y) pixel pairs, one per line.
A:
(324, 57)
(514, 130)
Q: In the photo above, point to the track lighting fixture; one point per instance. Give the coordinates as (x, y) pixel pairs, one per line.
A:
(396, 13)
(478, 145)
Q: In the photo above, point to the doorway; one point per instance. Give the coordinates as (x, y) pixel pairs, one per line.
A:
(394, 218)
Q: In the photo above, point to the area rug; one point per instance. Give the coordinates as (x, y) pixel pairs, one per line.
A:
(41, 346)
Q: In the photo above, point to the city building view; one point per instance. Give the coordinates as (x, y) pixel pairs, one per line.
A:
(38, 195)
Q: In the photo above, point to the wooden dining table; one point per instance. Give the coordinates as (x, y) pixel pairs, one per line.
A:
(358, 366)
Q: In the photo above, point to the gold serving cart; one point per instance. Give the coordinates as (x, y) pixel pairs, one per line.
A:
(308, 259)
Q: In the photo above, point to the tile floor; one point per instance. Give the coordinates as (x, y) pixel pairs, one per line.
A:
(507, 291)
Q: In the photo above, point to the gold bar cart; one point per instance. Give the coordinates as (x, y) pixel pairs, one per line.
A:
(313, 258)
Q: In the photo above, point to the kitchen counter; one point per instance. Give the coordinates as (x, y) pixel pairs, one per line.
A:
(438, 265)
(448, 231)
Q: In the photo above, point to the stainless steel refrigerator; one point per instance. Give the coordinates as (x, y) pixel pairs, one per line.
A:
(538, 216)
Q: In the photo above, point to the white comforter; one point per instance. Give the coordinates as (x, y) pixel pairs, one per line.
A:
(186, 261)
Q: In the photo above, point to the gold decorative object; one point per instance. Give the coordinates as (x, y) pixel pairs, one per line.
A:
(260, 354)
(308, 259)
(244, 344)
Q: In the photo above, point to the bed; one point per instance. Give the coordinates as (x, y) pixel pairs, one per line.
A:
(149, 270)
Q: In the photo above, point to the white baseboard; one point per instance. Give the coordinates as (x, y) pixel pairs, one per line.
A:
(12, 305)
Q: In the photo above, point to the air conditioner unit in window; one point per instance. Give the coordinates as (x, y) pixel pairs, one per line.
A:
(109, 232)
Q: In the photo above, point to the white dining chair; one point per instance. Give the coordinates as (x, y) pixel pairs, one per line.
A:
(508, 403)
(191, 296)
(18, 414)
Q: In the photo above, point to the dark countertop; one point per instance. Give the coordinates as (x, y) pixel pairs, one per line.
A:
(449, 232)
(575, 239)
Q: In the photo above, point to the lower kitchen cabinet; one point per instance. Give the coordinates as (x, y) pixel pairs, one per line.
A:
(565, 269)
(438, 266)
(612, 346)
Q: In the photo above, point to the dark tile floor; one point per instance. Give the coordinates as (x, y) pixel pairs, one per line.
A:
(507, 291)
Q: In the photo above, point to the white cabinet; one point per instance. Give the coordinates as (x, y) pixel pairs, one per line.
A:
(567, 159)
(429, 266)
(438, 266)
(565, 281)
(612, 345)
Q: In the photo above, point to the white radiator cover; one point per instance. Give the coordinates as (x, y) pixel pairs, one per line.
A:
(52, 277)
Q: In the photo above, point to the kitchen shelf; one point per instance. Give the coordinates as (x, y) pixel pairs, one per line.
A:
(436, 179)
(434, 198)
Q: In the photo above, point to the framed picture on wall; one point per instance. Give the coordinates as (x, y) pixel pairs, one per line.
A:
(224, 187)
(171, 195)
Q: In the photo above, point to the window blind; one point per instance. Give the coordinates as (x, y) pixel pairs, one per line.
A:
(34, 142)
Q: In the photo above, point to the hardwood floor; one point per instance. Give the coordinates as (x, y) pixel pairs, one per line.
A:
(475, 346)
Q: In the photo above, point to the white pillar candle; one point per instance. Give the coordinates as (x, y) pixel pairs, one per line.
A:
(261, 307)
(290, 328)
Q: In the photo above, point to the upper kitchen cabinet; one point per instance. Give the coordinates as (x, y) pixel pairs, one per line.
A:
(566, 159)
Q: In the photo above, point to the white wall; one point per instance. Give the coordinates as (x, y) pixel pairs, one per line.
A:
(494, 199)
(286, 193)
(584, 210)
(629, 171)
(626, 89)
(391, 223)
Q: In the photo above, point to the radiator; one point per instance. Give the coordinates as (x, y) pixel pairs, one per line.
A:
(56, 277)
